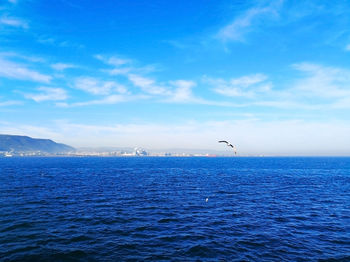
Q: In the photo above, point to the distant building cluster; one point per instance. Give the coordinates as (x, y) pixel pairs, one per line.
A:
(137, 152)
(30, 153)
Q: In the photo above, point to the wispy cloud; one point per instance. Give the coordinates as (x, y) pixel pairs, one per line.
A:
(147, 85)
(30, 58)
(46, 40)
(107, 59)
(246, 86)
(244, 23)
(10, 103)
(97, 87)
(113, 60)
(119, 71)
(124, 66)
(121, 66)
(172, 91)
(49, 40)
(14, 70)
(318, 87)
(107, 100)
(14, 22)
(280, 101)
(182, 91)
(250, 90)
(347, 48)
(47, 94)
(249, 80)
(112, 99)
(62, 66)
(137, 76)
(322, 81)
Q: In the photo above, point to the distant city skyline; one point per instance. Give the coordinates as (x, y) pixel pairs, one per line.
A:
(271, 77)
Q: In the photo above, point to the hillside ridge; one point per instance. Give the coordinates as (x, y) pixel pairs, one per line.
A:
(25, 144)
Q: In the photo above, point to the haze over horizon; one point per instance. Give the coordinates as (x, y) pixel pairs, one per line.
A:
(272, 77)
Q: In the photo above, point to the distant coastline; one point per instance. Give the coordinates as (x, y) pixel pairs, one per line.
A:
(25, 146)
(15, 145)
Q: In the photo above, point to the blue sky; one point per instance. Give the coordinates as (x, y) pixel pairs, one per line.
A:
(273, 77)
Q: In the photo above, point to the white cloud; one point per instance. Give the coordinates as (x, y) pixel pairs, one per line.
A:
(246, 86)
(147, 85)
(249, 80)
(119, 71)
(46, 40)
(183, 91)
(113, 60)
(281, 102)
(47, 94)
(112, 99)
(347, 48)
(35, 59)
(125, 66)
(256, 87)
(13, 70)
(321, 81)
(107, 100)
(62, 66)
(118, 61)
(241, 25)
(43, 39)
(14, 22)
(178, 91)
(319, 87)
(97, 87)
(125, 71)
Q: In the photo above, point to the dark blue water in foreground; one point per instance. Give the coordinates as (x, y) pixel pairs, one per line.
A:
(139, 209)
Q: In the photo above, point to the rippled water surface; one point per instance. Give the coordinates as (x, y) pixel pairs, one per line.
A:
(177, 209)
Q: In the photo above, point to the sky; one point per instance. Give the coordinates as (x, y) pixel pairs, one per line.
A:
(271, 77)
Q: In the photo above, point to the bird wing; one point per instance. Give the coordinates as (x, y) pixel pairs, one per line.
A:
(223, 141)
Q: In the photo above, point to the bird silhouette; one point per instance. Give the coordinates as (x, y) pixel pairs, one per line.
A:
(230, 145)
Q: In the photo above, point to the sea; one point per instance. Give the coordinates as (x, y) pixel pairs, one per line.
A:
(175, 209)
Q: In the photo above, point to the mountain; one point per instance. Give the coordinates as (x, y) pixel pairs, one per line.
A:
(13, 143)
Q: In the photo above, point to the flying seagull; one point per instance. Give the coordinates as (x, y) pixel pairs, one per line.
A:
(229, 144)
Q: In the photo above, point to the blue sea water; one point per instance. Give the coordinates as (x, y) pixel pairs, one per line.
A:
(175, 209)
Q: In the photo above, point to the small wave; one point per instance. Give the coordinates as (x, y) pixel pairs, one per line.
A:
(336, 259)
(80, 238)
(158, 257)
(281, 219)
(200, 251)
(50, 255)
(16, 226)
(21, 250)
(168, 220)
(251, 243)
(144, 228)
(168, 238)
(128, 246)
